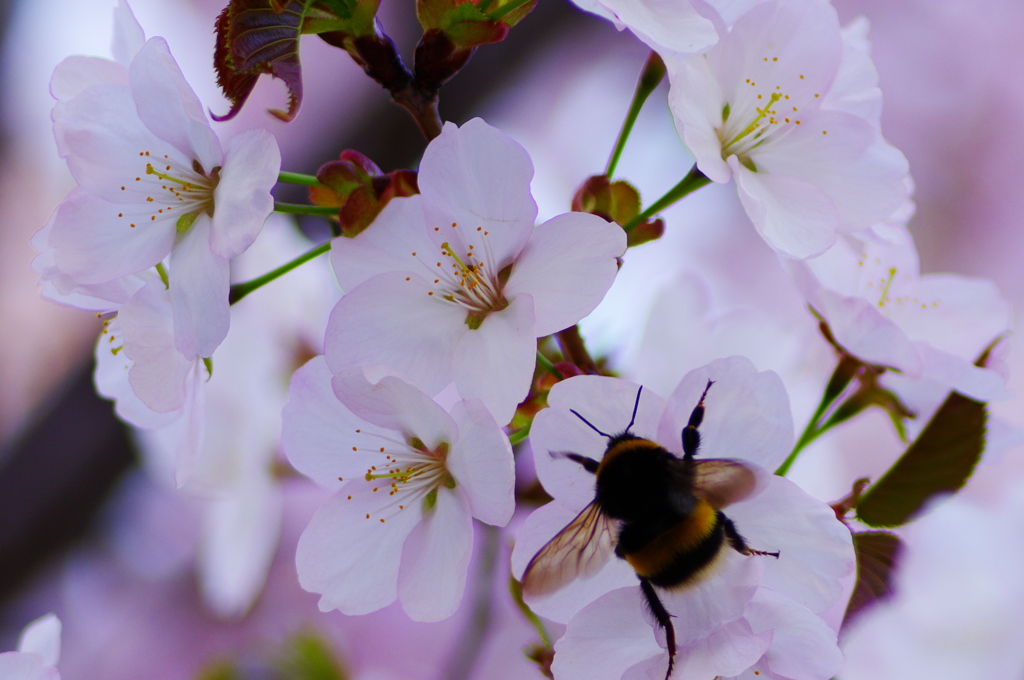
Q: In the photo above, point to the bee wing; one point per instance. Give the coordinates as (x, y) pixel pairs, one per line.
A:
(722, 482)
(578, 550)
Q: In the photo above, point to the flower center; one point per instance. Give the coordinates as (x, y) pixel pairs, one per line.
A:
(170, 189)
(410, 472)
(759, 114)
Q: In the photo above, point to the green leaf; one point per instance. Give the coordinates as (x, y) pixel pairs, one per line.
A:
(311, 658)
(877, 552)
(343, 9)
(941, 460)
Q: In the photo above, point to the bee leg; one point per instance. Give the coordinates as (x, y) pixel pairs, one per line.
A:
(737, 542)
(691, 437)
(664, 620)
(589, 464)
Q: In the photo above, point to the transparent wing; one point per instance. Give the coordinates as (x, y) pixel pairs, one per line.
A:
(722, 482)
(578, 550)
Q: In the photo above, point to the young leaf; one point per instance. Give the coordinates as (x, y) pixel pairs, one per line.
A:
(877, 552)
(939, 461)
(256, 37)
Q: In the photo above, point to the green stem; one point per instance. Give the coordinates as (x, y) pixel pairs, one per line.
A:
(516, 588)
(546, 364)
(298, 178)
(694, 180)
(506, 8)
(300, 209)
(650, 76)
(519, 435)
(810, 433)
(240, 290)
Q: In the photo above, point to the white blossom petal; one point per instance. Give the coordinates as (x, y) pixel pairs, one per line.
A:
(168, 106)
(242, 198)
(416, 335)
(815, 549)
(477, 177)
(494, 363)
(200, 281)
(746, 413)
(567, 266)
(435, 559)
(481, 462)
(350, 560)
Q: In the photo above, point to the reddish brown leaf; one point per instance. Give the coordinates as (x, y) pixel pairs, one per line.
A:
(877, 553)
(256, 37)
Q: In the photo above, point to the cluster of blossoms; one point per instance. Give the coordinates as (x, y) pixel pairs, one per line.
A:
(406, 400)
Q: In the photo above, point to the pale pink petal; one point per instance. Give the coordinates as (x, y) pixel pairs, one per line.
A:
(672, 25)
(697, 101)
(561, 605)
(794, 216)
(318, 433)
(160, 372)
(350, 560)
(482, 464)
(955, 314)
(495, 362)
(567, 266)
(961, 374)
(478, 178)
(792, 43)
(391, 320)
(128, 34)
(92, 245)
(727, 650)
(718, 598)
(19, 666)
(396, 241)
(860, 328)
(42, 637)
(845, 157)
(816, 549)
(241, 527)
(111, 378)
(435, 559)
(855, 89)
(242, 200)
(169, 107)
(803, 646)
(200, 281)
(77, 73)
(100, 135)
(191, 427)
(607, 403)
(746, 413)
(606, 638)
(394, 404)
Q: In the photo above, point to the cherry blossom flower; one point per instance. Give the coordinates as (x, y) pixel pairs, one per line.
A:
(788, 105)
(38, 652)
(409, 477)
(750, 607)
(884, 312)
(154, 181)
(457, 283)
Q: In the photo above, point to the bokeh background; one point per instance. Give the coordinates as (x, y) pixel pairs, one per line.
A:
(560, 84)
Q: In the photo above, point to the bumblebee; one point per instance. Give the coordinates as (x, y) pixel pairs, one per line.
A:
(660, 513)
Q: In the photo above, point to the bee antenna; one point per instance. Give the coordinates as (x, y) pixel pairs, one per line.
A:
(636, 405)
(589, 424)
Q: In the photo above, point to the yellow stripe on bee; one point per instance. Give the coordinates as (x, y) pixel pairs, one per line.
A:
(655, 557)
(626, 446)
